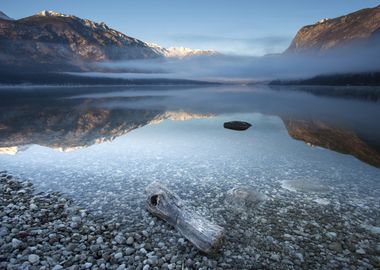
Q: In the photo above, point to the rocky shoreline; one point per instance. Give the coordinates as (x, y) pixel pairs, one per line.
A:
(50, 231)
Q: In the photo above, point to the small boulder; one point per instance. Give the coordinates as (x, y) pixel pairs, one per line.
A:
(240, 198)
(237, 125)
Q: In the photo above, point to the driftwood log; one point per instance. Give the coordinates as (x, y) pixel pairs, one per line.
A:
(165, 204)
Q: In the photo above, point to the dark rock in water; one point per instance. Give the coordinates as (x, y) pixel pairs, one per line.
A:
(237, 125)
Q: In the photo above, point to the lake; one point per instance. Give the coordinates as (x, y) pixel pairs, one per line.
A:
(316, 159)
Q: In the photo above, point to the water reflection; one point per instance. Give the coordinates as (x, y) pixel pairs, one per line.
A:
(71, 124)
(68, 119)
(311, 194)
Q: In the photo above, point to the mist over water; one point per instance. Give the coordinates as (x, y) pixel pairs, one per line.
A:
(250, 68)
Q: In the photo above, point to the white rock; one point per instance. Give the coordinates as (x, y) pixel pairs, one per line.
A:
(87, 265)
(99, 240)
(119, 239)
(76, 219)
(16, 243)
(118, 255)
(331, 235)
(360, 251)
(33, 258)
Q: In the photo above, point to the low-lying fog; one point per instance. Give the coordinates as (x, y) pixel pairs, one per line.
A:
(248, 68)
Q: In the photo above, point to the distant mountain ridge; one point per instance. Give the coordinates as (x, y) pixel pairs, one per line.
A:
(70, 124)
(181, 52)
(4, 16)
(53, 39)
(326, 34)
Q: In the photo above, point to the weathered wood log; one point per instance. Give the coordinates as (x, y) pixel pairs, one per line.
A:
(165, 204)
(237, 125)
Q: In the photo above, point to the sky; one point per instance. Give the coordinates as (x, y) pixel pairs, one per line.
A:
(244, 27)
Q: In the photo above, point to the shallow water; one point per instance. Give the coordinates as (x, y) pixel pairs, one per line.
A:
(104, 148)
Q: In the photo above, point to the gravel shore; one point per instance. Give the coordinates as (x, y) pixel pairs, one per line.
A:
(50, 231)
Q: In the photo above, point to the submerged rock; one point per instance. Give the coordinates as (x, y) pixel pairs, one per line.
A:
(237, 125)
(240, 198)
(305, 185)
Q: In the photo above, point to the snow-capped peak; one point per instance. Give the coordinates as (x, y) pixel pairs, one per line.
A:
(185, 52)
(180, 52)
(323, 20)
(51, 13)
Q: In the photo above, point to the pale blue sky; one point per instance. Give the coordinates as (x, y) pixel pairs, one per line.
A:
(245, 27)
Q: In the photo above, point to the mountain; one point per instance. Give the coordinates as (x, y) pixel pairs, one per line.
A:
(345, 79)
(181, 52)
(4, 16)
(66, 124)
(319, 133)
(351, 29)
(50, 38)
(58, 42)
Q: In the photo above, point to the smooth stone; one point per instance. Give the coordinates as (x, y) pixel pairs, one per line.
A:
(130, 240)
(118, 255)
(119, 239)
(121, 267)
(87, 265)
(99, 240)
(4, 231)
(331, 235)
(275, 257)
(16, 243)
(237, 125)
(152, 260)
(33, 258)
(129, 251)
(241, 197)
(76, 219)
(181, 241)
(360, 251)
(57, 267)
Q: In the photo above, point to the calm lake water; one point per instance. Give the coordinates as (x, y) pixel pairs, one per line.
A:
(315, 157)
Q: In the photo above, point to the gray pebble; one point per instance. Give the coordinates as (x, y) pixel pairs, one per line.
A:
(34, 259)
(130, 240)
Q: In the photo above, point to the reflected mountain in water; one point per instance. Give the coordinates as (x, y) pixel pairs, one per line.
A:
(318, 133)
(71, 119)
(71, 124)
